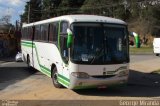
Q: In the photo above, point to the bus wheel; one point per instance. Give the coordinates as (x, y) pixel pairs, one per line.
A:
(28, 62)
(55, 78)
(157, 54)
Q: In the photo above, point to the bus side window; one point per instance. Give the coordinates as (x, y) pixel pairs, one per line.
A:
(27, 33)
(33, 32)
(64, 26)
(22, 33)
(44, 32)
(63, 40)
(30, 33)
(37, 32)
(53, 32)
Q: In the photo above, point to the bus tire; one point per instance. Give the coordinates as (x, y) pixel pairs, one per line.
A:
(157, 54)
(55, 78)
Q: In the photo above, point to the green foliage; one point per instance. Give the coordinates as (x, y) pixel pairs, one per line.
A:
(49, 8)
(69, 6)
(24, 16)
(120, 12)
(141, 12)
(64, 7)
(34, 9)
(98, 7)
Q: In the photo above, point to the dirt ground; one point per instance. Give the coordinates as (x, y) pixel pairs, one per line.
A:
(19, 83)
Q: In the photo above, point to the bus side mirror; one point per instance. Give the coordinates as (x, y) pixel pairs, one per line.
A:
(69, 38)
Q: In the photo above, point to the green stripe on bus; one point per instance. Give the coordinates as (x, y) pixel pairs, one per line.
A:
(63, 79)
(61, 76)
(29, 42)
(59, 29)
(44, 72)
(45, 68)
(63, 82)
(26, 45)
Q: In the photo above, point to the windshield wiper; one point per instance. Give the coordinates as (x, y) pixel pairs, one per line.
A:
(97, 55)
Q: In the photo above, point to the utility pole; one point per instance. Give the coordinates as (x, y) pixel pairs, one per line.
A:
(29, 7)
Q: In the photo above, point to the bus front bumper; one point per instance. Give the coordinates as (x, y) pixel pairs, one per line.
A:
(81, 83)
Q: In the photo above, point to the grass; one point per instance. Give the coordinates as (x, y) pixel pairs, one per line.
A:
(141, 50)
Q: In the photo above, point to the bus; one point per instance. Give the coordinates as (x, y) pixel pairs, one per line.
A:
(78, 51)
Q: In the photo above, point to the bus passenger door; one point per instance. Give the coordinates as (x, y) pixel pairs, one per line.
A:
(32, 38)
(63, 47)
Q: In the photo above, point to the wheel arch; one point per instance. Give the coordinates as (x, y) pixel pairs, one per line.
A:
(52, 67)
(28, 58)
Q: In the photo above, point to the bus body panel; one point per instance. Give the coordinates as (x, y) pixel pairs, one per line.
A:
(26, 49)
(44, 55)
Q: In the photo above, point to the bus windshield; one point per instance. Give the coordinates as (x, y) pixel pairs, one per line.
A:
(99, 43)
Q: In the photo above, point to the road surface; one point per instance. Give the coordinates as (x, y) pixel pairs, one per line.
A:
(17, 82)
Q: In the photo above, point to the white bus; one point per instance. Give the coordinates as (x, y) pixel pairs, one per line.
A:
(78, 51)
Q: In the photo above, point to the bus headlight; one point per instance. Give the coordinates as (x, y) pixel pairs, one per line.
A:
(80, 74)
(123, 71)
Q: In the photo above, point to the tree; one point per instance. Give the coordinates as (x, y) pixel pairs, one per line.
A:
(69, 7)
(112, 8)
(49, 8)
(98, 7)
(24, 16)
(5, 19)
(65, 7)
(35, 10)
(32, 11)
(134, 9)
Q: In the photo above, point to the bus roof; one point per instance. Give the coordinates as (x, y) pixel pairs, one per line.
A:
(80, 18)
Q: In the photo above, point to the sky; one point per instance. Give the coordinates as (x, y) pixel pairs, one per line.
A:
(14, 8)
